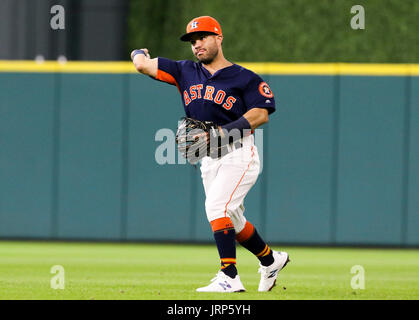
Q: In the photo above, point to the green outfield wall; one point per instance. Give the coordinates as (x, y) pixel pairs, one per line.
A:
(77, 156)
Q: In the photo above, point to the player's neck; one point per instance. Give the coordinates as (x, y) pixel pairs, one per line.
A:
(217, 64)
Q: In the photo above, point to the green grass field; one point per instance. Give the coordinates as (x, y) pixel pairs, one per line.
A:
(104, 271)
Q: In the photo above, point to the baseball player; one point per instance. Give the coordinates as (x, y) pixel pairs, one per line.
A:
(229, 97)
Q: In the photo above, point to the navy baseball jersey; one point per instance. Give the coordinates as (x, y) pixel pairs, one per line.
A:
(222, 97)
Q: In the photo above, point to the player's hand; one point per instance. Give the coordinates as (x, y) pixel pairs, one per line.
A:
(203, 135)
(206, 134)
(144, 49)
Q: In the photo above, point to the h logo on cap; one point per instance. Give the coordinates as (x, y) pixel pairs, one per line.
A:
(194, 24)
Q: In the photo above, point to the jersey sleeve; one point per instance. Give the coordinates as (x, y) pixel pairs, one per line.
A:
(258, 94)
(168, 71)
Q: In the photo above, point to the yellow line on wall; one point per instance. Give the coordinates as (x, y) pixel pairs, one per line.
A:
(363, 69)
(67, 67)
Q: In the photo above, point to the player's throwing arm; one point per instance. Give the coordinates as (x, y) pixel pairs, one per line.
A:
(143, 63)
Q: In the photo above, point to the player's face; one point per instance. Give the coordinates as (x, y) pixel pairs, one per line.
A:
(204, 47)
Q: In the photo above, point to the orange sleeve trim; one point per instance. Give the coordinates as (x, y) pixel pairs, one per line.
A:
(166, 77)
(221, 224)
(246, 233)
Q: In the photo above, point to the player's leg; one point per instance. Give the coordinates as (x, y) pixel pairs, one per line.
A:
(226, 193)
(249, 238)
(209, 169)
(222, 226)
(271, 262)
(227, 279)
(246, 233)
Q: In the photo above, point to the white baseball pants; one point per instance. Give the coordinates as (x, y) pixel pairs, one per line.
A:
(227, 182)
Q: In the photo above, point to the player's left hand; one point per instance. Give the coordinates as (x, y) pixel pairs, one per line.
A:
(193, 138)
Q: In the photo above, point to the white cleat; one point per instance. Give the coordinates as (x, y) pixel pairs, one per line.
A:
(223, 283)
(270, 273)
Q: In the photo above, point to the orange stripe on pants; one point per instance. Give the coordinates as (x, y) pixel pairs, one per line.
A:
(231, 196)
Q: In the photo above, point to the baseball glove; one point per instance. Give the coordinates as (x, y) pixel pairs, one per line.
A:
(193, 139)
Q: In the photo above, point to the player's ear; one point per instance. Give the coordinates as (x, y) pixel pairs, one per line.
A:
(220, 39)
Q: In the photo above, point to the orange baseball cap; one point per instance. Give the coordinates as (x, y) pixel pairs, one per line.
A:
(202, 24)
